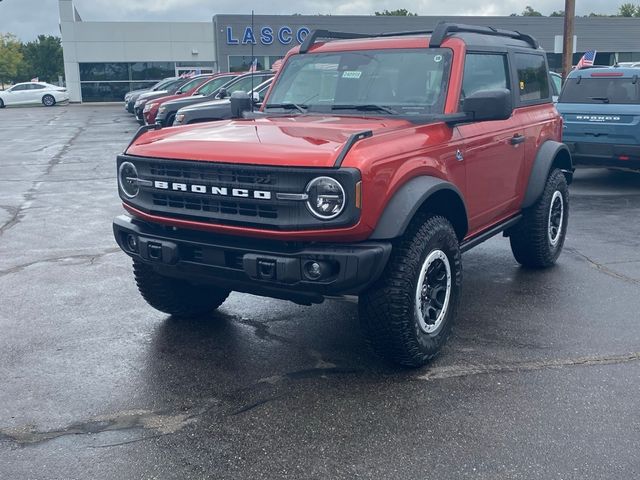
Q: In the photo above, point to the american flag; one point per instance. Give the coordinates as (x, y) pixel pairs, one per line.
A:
(587, 59)
(254, 65)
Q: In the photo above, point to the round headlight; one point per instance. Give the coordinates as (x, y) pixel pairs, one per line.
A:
(326, 198)
(128, 179)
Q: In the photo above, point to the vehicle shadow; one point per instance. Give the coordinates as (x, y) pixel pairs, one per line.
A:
(225, 352)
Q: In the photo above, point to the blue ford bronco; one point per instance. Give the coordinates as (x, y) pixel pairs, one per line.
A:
(601, 111)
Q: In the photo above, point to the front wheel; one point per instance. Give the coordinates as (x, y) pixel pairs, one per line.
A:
(408, 314)
(176, 297)
(48, 101)
(1, 103)
(537, 241)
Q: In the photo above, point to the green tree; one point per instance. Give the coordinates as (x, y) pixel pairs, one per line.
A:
(557, 13)
(530, 12)
(10, 58)
(400, 12)
(628, 10)
(42, 59)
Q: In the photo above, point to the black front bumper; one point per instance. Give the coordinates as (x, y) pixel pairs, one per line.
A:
(604, 154)
(261, 267)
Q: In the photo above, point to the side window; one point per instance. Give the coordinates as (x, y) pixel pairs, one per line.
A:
(484, 71)
(533, 78)
(35, 86)
(557, 84)
(19, 88)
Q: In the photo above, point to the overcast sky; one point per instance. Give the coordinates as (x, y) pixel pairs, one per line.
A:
(28, 18)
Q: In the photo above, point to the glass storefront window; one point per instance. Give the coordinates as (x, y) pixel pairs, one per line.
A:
(108, 91)
(104, 71)
(238, 63)
(152, 70)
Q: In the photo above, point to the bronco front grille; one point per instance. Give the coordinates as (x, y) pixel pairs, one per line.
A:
(260, 208)
(243, 177)
(196, 203)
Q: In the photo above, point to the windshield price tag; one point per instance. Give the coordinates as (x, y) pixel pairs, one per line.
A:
(351, 74)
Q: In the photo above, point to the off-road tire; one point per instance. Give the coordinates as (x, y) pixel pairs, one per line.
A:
(388, 313)
(48, 100)
(174, 296)
(531, 240)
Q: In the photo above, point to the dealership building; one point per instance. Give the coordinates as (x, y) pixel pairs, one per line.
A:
(104, 60)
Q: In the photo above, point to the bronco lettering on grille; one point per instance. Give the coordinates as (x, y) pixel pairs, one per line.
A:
(222, 191)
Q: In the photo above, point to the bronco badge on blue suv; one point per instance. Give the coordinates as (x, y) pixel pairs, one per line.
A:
(601, 112)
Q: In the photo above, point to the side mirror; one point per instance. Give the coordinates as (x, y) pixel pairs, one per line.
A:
(240, 103)
(486, 105)
(222, 93)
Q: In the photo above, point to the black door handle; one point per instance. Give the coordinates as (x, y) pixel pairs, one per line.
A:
(516, 139)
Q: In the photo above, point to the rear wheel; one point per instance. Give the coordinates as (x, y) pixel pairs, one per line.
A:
(408, 314)
(537, 241)
(48, 101)
(176, 297)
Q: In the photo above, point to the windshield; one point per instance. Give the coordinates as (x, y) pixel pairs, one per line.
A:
(243, 84)
(192, 84)
(163, 83)
(601, 90)
(392, 81)
(213, 85)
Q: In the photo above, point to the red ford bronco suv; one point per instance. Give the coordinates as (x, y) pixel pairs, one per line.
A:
(374, 162)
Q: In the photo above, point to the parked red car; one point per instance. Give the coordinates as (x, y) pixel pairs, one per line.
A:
(188, 89)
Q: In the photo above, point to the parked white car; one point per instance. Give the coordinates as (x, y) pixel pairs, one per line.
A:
(33, 93)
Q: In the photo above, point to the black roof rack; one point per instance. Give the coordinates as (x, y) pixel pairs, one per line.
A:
(438, 35)
(443, 29)
(316, 34)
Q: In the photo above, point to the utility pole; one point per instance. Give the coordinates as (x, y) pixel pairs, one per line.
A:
(567, 50)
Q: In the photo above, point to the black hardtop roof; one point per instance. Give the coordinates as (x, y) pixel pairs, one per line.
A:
(474, 36)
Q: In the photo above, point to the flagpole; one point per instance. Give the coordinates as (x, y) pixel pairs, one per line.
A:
(254, 64)
(567, 50)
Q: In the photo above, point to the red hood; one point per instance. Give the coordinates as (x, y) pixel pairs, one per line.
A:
(305, 140)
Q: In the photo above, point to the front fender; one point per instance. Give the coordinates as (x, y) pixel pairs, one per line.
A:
(415, 194)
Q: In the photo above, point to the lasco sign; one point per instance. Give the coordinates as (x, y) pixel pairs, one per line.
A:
(266, 35)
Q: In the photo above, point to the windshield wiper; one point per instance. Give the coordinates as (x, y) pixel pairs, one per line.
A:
(289, 106)
(602, 99)
(366, 108)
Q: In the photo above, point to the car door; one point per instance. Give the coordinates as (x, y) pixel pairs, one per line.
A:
(493, 150)
(35, 92)
(16, 95)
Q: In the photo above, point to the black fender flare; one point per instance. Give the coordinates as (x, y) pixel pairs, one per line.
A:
(411, 196)
(549, 154)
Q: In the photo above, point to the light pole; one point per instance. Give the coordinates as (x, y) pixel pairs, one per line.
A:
(567, 50)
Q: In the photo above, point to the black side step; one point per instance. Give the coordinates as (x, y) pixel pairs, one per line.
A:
(486, 235)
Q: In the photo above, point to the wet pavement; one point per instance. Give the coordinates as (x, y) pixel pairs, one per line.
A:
(540, 379)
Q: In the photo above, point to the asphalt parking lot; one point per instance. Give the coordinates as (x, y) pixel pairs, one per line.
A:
(540, 379)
